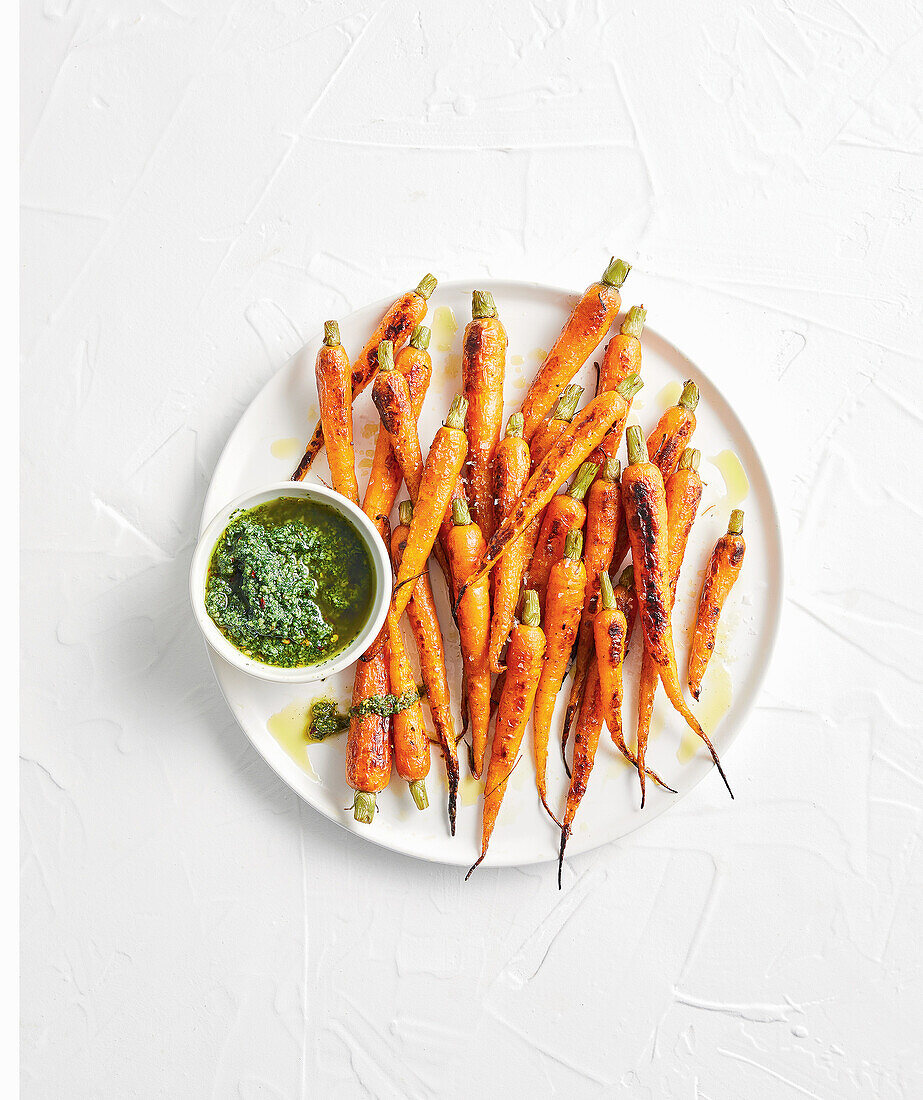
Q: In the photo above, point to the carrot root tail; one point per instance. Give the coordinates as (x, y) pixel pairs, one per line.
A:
(565, 834)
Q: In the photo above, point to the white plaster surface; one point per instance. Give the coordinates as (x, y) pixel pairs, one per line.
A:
(204, 182)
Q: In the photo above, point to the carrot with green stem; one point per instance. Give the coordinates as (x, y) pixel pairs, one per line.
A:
(391, 397)
(483, 368)
(674, 429)
(424, 624)
(511, 462)
(523, 668)
(334, 392)
(368, 743)
(720, 575)
(622, 356)
(645, 507)
(566, 512)
(587, 324)
(563, 604)
(683, 494)
(395, 325)
(586, 742)
(588, 429)
(550, 431)
(465, 548)
(411, 744)
(437, 480)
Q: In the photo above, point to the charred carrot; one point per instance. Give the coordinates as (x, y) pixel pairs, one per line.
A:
(563, 604)
(550, 431)
(683, 494)
(586, 742)
(587, 431)
(645, 507)
(334, 392)
(511, 463)
(566, 512)
(385, 476)
(411, 745)
(440, 475)
(668, 440)
(424, 624)
(397, 322)
(523, 668)
(722, 571)
(466, 545)
(622, 356)
(587, 324)
(368, 743)
(391, 396)
(483, 368)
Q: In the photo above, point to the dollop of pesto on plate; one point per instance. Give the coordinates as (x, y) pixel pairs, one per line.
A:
(290, 582)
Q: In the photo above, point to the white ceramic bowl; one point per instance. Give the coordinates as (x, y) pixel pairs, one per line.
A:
(381, 594)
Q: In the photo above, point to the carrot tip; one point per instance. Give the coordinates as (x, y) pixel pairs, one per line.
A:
(565, 833)
(475, 865)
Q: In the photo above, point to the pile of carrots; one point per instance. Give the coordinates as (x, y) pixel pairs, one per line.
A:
(537, 570)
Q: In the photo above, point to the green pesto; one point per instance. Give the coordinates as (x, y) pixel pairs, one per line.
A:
(290, 582)
(327, 719)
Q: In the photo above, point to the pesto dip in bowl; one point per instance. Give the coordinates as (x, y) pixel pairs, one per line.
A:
(290, 583)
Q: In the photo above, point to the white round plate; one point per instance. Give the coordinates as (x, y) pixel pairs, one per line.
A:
(266, 446)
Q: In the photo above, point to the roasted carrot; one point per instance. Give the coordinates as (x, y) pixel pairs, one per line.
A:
(385, 476)
(610, 634)
(391, 396)
(411, 745)
(440, 475)
(334, 392)
(586, 741)
(645, 507)
(483, 368)
(563, 604)
(722, 571)
(523, 668)
(683, 494)
(622, 356)
(587, 431)
(511, 465)
(674, 430)
(566, 512)
(368, 743)
(424, 623)
(603, 515)
(550, 431)
(466, 545)
(397, 322)
(587, 324)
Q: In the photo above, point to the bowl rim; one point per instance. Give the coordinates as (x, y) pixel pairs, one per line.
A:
(381, 596)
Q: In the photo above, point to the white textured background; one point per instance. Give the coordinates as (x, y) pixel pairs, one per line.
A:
(204, 182)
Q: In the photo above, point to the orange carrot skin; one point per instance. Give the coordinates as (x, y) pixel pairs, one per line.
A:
(331, 370)
(465, 547)
(411, 745)
(391, 395)
(720, 576)
(586, 741)
(511, 461)
(523, 668)
(621, 358)
(585, 327)
(610, 632)
(483, 367)
(563, 515)
(396, 325)
(368, 743)
(670, 438)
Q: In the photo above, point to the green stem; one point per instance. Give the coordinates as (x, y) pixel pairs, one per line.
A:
(386, 355)
(515, 425)
(331, 334)
(583, 480)
(426, 286)
(531, 612)
(633, 325)
(630, 386)
(605, 587)
(482, 305)
(616, 273)
(637, 452)
(457, 412)
(461, 517)
(566, 407)
(419, 338)
(736, 523)
(690, 459)
(364, 807)
(573, 545)
(405, 513)
(418, 791)
(689, 398)
(612, 468)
